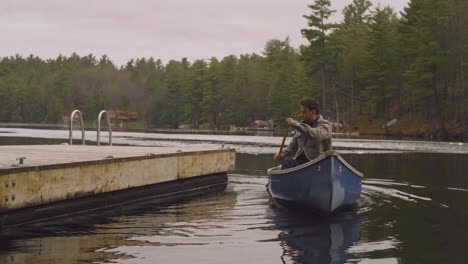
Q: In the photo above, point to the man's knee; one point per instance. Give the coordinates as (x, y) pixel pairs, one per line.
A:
(288, 162)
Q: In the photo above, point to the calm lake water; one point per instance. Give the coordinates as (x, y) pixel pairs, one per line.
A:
(413, 209)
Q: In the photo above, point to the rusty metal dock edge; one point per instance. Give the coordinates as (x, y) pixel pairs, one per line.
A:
(35, 193)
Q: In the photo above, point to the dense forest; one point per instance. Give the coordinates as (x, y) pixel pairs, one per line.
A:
(375, 63)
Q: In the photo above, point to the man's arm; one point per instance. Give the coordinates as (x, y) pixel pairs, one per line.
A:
(291, 149)
(321, 132)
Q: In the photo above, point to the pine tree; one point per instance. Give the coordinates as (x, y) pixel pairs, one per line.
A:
(212, 100)
(424, 38)
(280, 61)
(357, 13)
(317, 55)
(381, 61)
(352, 35)
(194, 92)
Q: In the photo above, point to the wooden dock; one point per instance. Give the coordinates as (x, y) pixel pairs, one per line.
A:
(43, 181)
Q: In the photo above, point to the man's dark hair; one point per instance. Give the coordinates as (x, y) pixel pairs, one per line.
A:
(311, 104)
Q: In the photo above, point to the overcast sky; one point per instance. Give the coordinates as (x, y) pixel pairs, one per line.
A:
(164, 29)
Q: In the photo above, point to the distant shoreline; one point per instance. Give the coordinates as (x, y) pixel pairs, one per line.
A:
(364, 132)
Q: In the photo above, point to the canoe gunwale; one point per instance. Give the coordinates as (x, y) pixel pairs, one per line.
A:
(278, 172)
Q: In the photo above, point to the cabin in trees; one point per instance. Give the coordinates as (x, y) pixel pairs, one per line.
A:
(122, 117)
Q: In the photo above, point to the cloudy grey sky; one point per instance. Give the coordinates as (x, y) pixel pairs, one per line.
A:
(164, 29)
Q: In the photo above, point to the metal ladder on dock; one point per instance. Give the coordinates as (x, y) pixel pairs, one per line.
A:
(109, 127)
(98, 136)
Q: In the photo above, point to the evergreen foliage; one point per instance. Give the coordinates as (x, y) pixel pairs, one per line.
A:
(374, 62)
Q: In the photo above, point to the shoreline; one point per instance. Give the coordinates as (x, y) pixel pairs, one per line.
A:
(370, 131)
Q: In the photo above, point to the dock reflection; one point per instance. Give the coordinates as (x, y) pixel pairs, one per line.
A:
(81, 237)
(314, 238)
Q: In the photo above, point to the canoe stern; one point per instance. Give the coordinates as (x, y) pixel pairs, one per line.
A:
(326, 183)
(346, 184)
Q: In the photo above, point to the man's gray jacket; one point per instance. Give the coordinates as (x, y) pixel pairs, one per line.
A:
(312, 140)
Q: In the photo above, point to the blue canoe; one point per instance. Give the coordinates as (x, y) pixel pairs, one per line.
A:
(325, 183)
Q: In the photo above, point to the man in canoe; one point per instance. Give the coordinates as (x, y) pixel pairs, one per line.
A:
(313, 136)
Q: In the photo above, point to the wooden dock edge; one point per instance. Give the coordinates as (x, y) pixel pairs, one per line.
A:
(26, 191)
(160, 193)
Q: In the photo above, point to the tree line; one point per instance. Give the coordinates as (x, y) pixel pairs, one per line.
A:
(389, 65)
(374, 62)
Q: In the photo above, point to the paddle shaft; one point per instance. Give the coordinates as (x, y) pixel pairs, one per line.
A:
(284, 139)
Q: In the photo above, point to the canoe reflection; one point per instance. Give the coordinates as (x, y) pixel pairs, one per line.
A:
(307, 238)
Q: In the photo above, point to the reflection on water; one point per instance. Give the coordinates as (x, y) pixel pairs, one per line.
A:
(413, 209)
(315, 239)
(85, 237)
(240, 225)
(390, 224)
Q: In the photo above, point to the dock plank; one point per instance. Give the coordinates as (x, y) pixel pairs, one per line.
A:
(37, 155)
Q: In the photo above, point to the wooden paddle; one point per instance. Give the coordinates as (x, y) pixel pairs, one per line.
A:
(282, 143)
